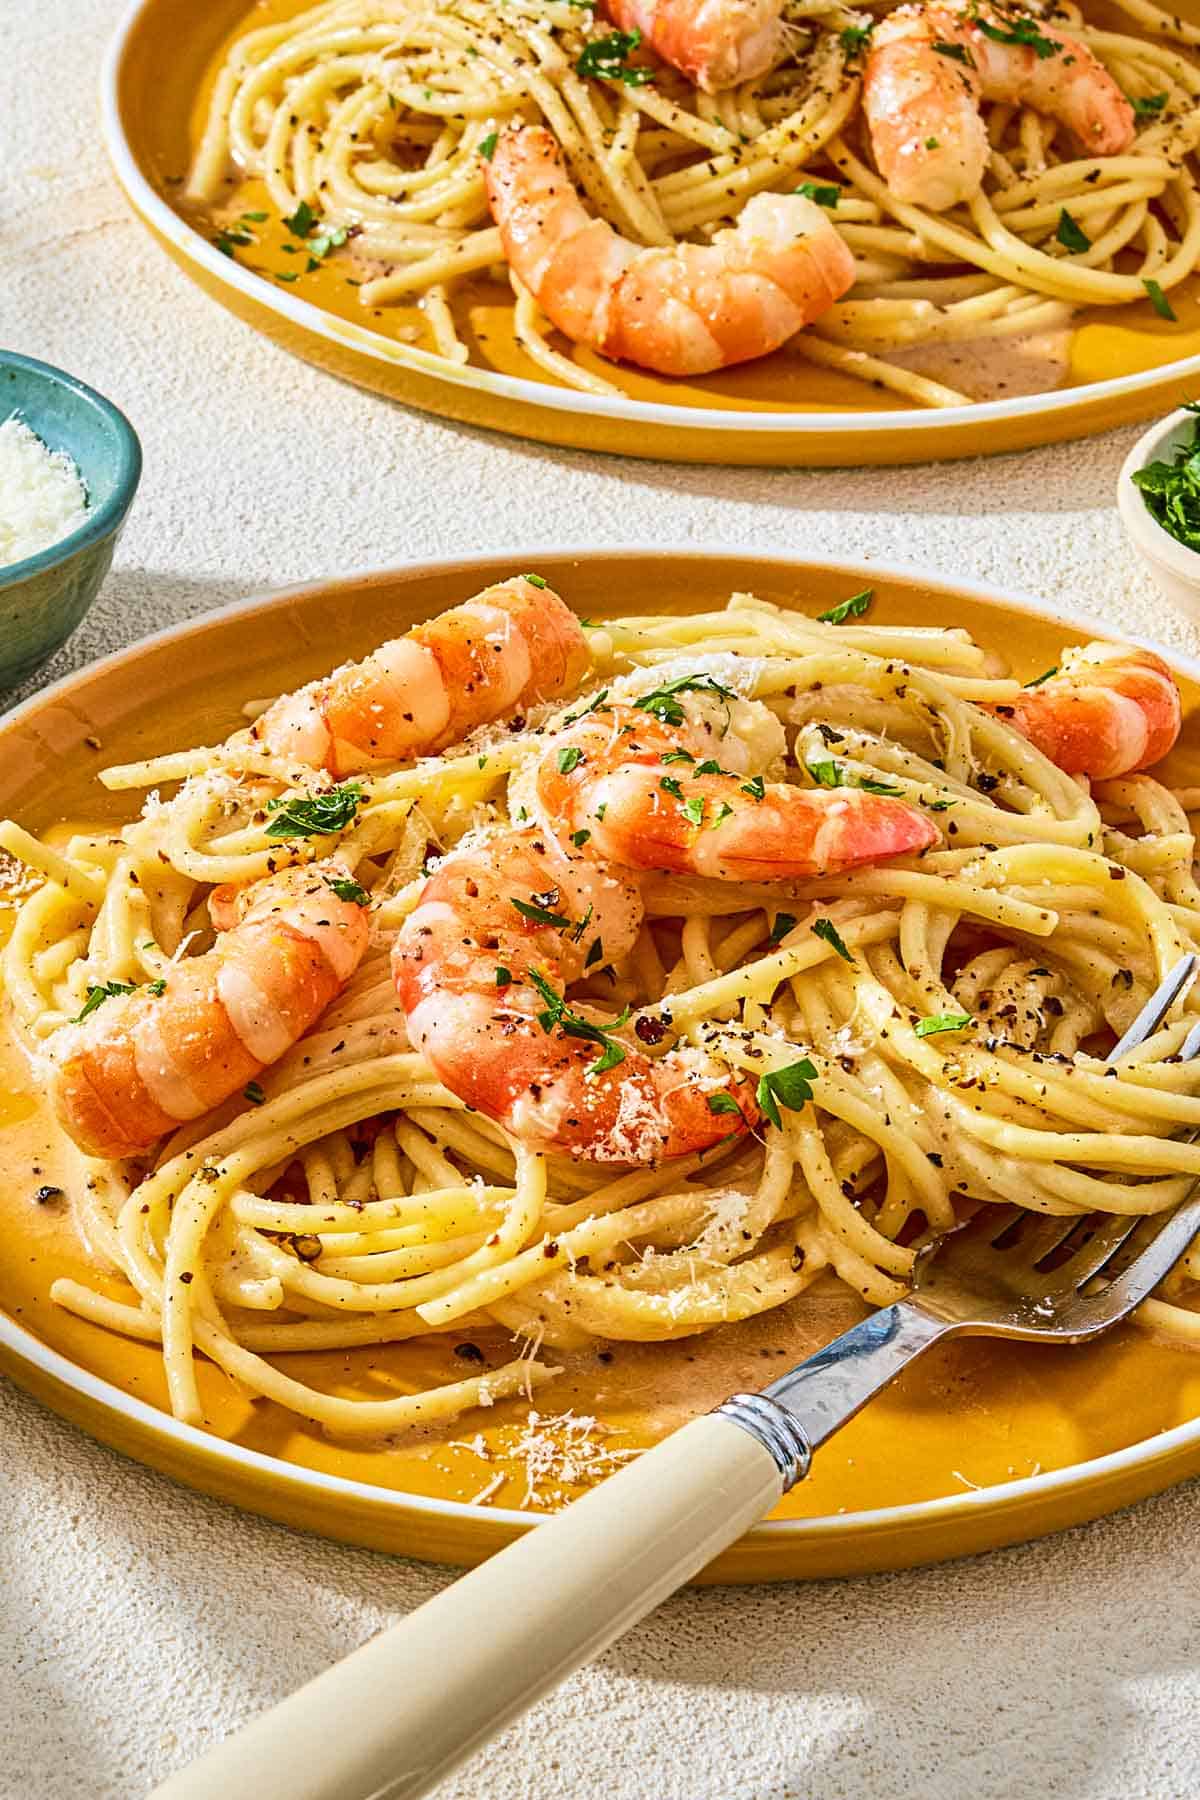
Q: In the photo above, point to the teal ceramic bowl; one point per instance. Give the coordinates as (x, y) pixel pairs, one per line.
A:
(44, 597)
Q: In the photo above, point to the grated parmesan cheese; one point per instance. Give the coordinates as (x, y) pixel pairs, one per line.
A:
(561, 1451)
(42, 498)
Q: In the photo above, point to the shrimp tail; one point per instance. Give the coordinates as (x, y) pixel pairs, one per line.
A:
(481, 968)
(145, 1062)
(682, 311)
(1107, 710)
(512, 645)
(931, 67)
(643, 795)
(715, 43)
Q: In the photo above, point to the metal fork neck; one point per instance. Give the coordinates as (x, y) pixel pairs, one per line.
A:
(807, 1405)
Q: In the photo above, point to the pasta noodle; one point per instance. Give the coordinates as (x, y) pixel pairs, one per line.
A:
(370, 121)
(952, 1009)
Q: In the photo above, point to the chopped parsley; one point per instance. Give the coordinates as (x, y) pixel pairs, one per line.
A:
(593, 706)
(827, 773)
(1159, 301)
(569, 759)
(537, 581)
(756, 787)
(671, 785)
(315, 815)
(541, 915)
(1147, 107)
(723, 812)
(254, 1093)
(595, 954)
(98, 993)
(1024, 31)
(580, 838)
(822, 194)
(826, 929)
(321, 245)
(301, 222)
(610, 1057)
(503, 978)
(1071, 235)
(853, 608)
(225, 240)
(1046, 673)
(1171, 490)
(662, 703)
(157, 987)
(956, 52)
(557, 1014)
(606, 58)
(350, 891)
(693, 810)
(779, 930)
(487, 148)
(723, 1103)
(789, 1087)
(678, 756)
(929, 1027)
(855, 38)
(931, 143)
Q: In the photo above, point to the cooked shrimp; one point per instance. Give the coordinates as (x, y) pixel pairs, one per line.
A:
(503, 929)
(480, 968)
(513, 644)
(683, 311)
(931, 66)
(1107, 710)
(715, 43)
(683, 792)
(144, 1062)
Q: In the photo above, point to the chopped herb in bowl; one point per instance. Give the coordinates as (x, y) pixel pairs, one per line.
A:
(1171, 490)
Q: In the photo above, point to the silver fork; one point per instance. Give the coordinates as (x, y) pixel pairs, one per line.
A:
(400, 1712)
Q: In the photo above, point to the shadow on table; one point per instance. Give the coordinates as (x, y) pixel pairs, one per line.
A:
(1016, 1680)
(1059, 478)
(132, 604)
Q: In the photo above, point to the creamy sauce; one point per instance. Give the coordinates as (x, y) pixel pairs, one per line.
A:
(1103, 342)
(972, 1413)
(995, 368)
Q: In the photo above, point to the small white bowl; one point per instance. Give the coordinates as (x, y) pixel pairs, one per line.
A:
(1175, 568)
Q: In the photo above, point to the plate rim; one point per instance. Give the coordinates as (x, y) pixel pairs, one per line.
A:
(26, 1348)
(306, 316)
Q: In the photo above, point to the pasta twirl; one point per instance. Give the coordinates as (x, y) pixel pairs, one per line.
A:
(952, 1010)
(370, 123)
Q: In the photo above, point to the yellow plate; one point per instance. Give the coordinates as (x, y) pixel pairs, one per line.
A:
(156, 67)
(981, 1444)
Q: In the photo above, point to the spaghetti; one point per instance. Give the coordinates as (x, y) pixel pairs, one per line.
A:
(951, 1012)
(371, 122)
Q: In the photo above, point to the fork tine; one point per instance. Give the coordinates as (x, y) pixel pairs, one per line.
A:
(1159, 1003)
(1108, 1237)
(989, 1223)
(1040, 1240)
(1190, 1046)
(1156, 1260)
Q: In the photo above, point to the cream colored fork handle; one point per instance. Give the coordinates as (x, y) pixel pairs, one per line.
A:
(396, 1715)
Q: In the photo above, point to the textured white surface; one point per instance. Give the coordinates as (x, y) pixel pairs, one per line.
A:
(136, 1620)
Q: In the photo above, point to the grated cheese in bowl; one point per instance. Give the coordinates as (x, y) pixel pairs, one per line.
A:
(42, 499)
